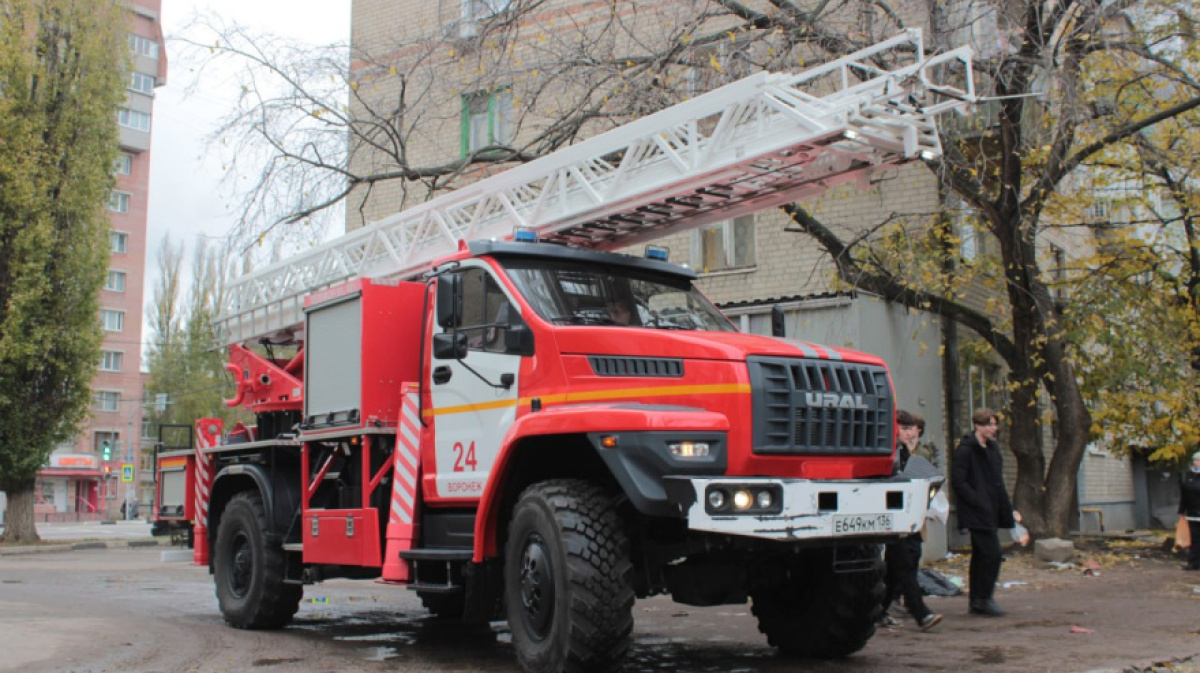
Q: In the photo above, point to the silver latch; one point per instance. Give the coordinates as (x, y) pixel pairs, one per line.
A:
(316, 526)
(350, 526)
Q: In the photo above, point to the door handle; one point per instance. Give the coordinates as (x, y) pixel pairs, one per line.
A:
(441, 374)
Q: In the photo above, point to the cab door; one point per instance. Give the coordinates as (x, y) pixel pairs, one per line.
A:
(473, 390)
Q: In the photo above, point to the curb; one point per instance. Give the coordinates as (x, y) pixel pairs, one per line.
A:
(79, 546)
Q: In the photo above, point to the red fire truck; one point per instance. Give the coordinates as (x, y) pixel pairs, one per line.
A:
(479, 400)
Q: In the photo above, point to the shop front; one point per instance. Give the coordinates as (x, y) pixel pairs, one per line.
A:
(70, 488)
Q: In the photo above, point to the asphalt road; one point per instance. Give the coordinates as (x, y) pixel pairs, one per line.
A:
(123, 609)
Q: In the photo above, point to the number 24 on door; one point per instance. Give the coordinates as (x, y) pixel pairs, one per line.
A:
(464, 457)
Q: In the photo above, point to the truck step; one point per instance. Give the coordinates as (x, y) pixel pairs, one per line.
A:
(438, 554)
(293, 546)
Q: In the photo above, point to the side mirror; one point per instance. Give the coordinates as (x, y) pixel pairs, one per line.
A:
(518, 339)
(778, 329)
(450, 346)
(449, 300)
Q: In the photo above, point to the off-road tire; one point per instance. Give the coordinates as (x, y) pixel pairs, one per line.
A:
(819, 613)
(444, 606)
(568, 581)
(249, 571)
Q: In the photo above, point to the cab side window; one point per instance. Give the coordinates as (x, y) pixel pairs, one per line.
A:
(487, 312)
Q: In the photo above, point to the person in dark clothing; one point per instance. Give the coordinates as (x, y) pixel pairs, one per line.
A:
(983, 507)
(904, 557)
(1189, 509)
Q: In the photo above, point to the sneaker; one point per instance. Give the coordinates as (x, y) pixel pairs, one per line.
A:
(889, 621)
(929, 621)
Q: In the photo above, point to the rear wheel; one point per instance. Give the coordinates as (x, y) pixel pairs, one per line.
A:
(568, 589)
(249, 571)
(817, 612)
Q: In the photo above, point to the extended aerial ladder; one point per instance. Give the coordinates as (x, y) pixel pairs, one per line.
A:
(762, 141)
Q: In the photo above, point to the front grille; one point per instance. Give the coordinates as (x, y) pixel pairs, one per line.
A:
(820, 407)
(622, 366)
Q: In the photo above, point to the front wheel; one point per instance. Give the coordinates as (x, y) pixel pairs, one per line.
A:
(249, 571)
(568, 589)
(816, 611)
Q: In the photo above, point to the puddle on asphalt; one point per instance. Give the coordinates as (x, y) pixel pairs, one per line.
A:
(380, 653)
(384, 636)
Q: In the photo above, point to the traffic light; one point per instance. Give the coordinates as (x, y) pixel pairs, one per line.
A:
(106, 451)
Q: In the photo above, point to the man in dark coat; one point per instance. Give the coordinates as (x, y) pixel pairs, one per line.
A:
(983, 507)
(1189, 509)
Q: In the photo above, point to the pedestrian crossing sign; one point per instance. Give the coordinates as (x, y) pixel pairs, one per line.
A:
(127, 473)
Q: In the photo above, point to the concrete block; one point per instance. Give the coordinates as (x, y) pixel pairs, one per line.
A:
(1053, 550)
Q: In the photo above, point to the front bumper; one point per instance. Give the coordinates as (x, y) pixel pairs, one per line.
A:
(810, 510)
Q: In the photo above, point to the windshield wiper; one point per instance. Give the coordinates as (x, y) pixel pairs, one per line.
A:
(585, 319)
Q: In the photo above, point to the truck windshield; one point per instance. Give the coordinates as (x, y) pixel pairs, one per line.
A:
(585, 294)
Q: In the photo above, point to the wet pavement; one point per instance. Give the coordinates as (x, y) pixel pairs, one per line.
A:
(105, 610)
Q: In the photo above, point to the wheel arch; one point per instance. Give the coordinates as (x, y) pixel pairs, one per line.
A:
(229, 482)
(526, 461)
(537, 448)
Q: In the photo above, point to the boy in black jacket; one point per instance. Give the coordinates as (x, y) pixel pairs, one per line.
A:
(983, 507)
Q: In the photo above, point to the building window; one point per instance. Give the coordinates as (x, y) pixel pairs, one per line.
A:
(123, 165)
(970, 231)
(983, 389)
(143, 46)
(1099, 212)
(112, 320)
(107, 400)
(727, 245)
(141, 83)
(118, 202)
(487, 119)
(116, 281)
(111, 361)
(119, 242)
(481, 9)
(132, 119)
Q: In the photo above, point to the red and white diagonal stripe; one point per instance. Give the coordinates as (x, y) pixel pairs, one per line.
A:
(208, 434)
(408, 442)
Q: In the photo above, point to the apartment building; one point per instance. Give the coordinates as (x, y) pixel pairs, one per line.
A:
(78, 483)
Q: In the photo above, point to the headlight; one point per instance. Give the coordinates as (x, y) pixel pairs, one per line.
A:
(687, 449)
(734, 499)
(742, 500)
(764, 500)
(716, 499)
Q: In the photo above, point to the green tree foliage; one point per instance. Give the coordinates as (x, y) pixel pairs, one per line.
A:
(184, 361)
(1137, 316)
(61, 65)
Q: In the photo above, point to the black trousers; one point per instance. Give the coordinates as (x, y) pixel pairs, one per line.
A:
(985, 562)
(901, 578)
(1194, 550)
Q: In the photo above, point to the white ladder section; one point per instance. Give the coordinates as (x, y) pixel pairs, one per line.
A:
(762, 141)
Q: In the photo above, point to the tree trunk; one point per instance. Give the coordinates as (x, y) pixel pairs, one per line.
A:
(18, 518)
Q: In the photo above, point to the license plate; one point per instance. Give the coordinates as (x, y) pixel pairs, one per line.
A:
(861, 524)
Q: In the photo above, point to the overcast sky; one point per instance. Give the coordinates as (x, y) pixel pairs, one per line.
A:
(185, 197)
